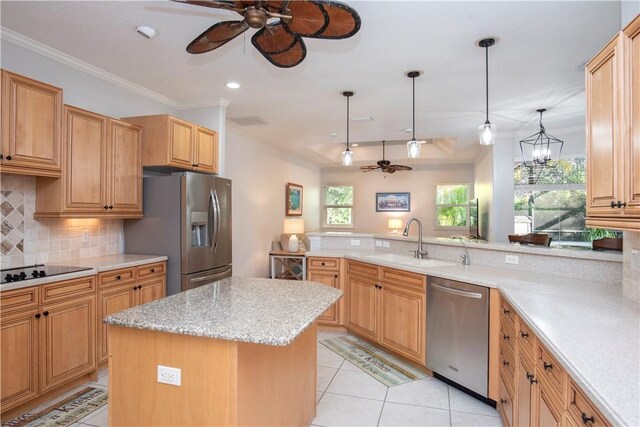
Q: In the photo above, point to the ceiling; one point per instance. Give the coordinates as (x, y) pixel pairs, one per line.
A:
(536, 63)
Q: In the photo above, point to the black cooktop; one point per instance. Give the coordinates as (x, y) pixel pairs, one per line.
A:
(36, 271)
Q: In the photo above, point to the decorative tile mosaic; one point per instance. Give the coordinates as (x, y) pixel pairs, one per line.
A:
(26, 241)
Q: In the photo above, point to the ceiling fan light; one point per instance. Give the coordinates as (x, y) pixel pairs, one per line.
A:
(347, 157)
(487, 133)
(413, 149)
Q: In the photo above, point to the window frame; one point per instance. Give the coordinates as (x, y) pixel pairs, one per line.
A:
(326, 206)
(439, 227)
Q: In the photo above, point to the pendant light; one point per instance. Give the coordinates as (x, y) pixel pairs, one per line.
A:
(413, 146)
(487, 131)
(347, 155)
(541, 150)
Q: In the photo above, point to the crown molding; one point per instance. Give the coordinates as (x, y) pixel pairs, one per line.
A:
(70, 61)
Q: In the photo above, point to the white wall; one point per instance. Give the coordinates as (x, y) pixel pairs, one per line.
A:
(421, 183)
(260, 175)
(628, 10)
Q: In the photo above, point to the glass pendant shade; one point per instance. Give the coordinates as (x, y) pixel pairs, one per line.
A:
(487, 133)
(347, 157)
(413, 149)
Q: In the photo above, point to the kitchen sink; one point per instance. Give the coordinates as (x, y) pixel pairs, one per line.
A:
(411, 261)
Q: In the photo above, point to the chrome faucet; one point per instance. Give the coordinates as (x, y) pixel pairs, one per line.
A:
(466, 259)
(419, 253)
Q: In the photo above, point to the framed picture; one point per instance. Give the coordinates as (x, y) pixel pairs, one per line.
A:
(294, 200)
(393, 202)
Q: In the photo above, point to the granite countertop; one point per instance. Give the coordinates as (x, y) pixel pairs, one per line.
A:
(261, 311)
(588, 326)
(94, 265)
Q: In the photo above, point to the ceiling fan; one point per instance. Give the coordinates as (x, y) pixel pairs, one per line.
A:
(385, 165)
(279, 41)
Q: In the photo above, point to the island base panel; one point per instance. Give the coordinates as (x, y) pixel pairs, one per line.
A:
(225, 383)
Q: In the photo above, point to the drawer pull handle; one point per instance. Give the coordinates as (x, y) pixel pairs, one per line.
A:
(118, 277)
(134, 288)
(503, 401)
(8, 157)
(505, 363)
(547, 366)
(524, 334)
(323, 264)
(46, 313)
(139, 286)
(587, 420)
(506, 337)
(37, 315)
(506, 311)
(531, 378)
(336, 276)
(152, 270)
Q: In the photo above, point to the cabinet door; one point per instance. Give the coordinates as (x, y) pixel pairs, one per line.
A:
(329, 278)
(547, 413)
(85, 168)
(206, 150)
(18, 358)
(151, 290)
(363, 306)
(181, 137)
(111, 301)
(67, 341)
(403, 321)
(603, 132)
(524, 393)
(505, 404)
(125, 168)
(31, 124)
(632, 150)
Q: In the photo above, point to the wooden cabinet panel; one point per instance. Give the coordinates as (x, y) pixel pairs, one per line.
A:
(31, 126)
(52, 292)
(581, 410)
(181, 135)
(363, 269)
(206, 150)
(19, 299)
(150, 270)
(323, 263)
(403, 278)
(524, 394)
(552, 372)
(18, 358)
(508, 365)
(362, 306)
(68, 341)
(125, 167)
(110, 301)
(548, 414)
(527, 341)
(329, 278)
(403, 321)
(116, 277)
(84, 170)
(151, 290)
(505, 404)
(632, 148)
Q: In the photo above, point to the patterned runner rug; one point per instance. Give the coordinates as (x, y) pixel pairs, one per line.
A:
(387, 369)
(65, 412)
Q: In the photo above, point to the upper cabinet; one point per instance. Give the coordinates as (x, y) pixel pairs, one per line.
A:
(102, 173)
(613, 133)
(31, 127)
(171, 143)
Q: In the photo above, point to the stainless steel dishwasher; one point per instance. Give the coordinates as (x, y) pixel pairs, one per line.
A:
(458, 333)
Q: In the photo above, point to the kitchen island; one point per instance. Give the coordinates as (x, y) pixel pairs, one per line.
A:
(246, 350)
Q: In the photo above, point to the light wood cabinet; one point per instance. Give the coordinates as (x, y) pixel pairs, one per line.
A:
(31, 122)
(47, 338)
(170, 143)
(524, 392)
(328, 271)
(613, 138)
(505, 403)
(125, 288)
(388, 306)
(102, 170)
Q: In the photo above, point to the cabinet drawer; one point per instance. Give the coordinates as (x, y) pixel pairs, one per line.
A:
(404, 278)
(507, 336)
(71, 288)
(508, 314)
(552, 372)
(507, 364)
(581, 410)
(362, 269)
(116, 277)
(323, 263)
(20, 299)
(505, 404)
(527, 340)
(149, 270)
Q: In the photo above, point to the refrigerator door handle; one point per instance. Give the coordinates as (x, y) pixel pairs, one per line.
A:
(217, 221)
(212, 220)
(213, 276)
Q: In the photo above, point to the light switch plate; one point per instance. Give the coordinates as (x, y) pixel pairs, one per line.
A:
(355, 242)
(168, 375)
(511, 259)
(379, 243)
(385, 244)
(85, 236)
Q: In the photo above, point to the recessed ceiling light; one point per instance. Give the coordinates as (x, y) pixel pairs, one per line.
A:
(333, 134)
(233, 85)
(354, 145)
(146, 31)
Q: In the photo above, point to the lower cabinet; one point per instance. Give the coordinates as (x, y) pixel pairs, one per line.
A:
(505, 403)
(111, 301)
(388, 306)
(524, 394)
(328, 271)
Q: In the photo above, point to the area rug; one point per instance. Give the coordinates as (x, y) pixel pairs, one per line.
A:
(64, 412)
(387, 369)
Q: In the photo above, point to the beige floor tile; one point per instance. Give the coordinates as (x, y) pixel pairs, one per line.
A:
(397, 414)
(324, 377)
(358, 384)
(99, 418)
(462, 402)
(337, 410)
(465, 419)
(428, 392)
(329, 358)
(348, 366)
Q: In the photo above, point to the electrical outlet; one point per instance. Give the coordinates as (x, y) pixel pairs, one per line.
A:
(85, 236)
(385, 244)
(379, 243)
(355, 242)
(511, 259)
(169, 375)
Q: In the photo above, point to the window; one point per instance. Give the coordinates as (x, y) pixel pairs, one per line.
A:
(338, 206)
(452, 206)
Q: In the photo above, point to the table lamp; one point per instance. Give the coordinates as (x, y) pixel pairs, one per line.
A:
(293, 226)
(394, 224)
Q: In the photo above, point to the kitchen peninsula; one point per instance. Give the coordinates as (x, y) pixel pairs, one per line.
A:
(246, 351)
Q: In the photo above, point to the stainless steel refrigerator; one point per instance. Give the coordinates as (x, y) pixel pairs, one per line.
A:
(187, 216)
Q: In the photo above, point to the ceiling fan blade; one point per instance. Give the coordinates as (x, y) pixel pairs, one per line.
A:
(369, 168)
(344, 21)
(273, 39)
(400, 168)
(216, 36)
(276, 6)
(286, 59)
(308, 18)
(216, 4)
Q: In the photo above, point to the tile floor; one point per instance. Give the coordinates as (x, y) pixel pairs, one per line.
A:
(347, 396)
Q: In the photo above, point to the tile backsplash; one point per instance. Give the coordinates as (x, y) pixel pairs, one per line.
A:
(631, 265)
(27, 241)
